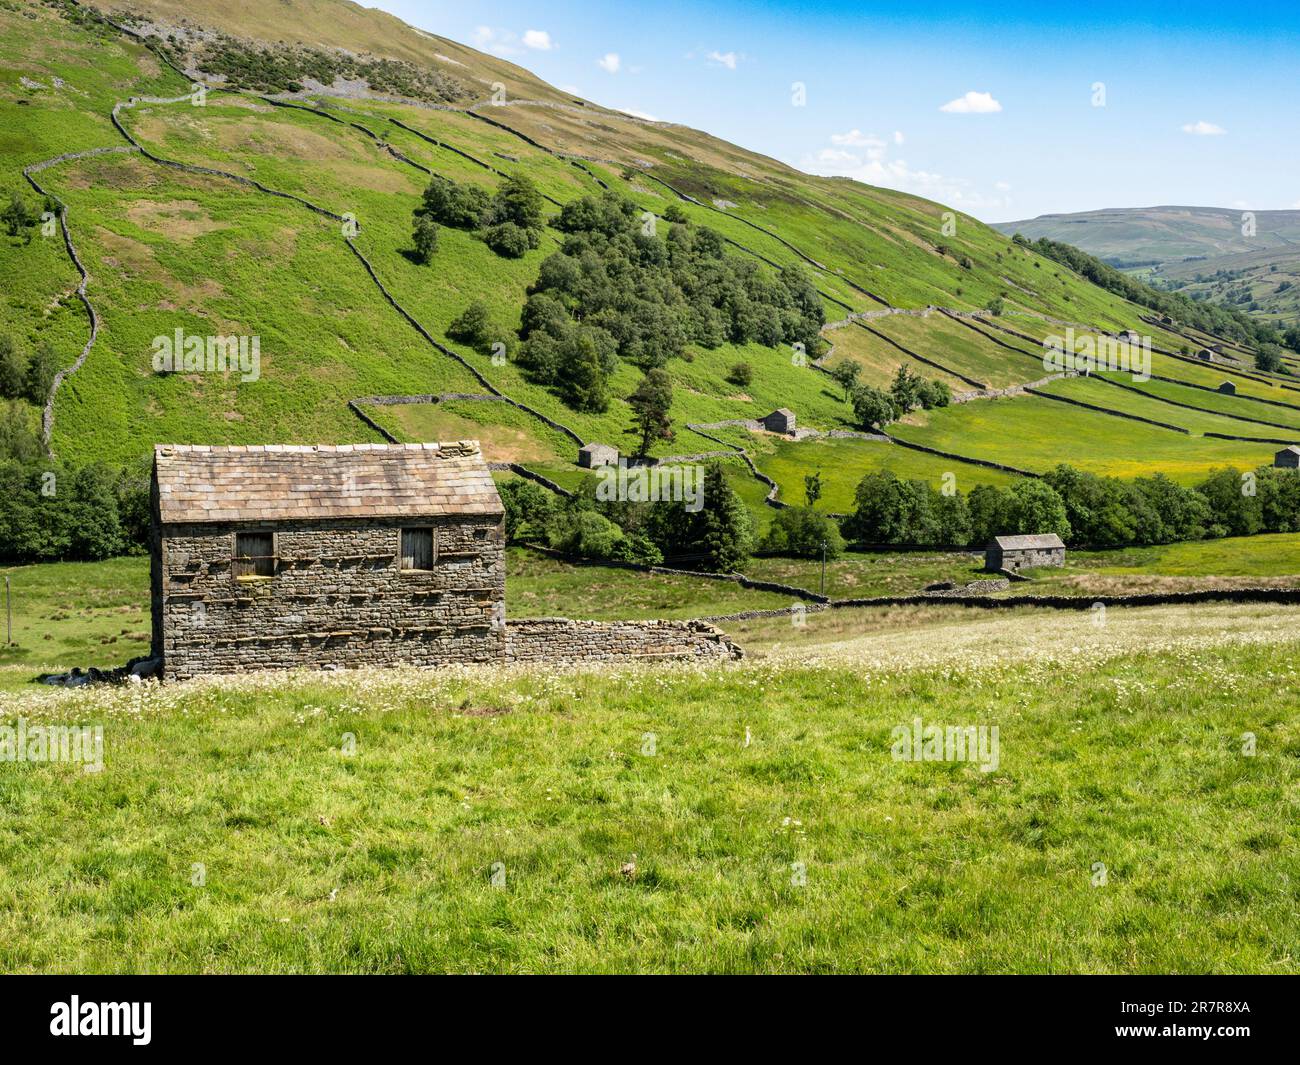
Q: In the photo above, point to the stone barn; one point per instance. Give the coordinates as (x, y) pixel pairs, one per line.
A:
(1024, 552)
(278, 556)
(780, 420)
(1288, 458)
(1205, 355)
(591, 456)
(1228, 388)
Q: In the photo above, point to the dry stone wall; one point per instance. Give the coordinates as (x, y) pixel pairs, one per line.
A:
(542, 640)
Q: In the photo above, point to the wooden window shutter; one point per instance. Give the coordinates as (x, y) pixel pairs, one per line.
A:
(254, 554)
(417, 549)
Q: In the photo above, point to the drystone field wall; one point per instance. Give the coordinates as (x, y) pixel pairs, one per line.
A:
(337, 598)
(544, 640)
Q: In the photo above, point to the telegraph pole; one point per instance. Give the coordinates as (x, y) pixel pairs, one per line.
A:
(9, 615)
(823, 567)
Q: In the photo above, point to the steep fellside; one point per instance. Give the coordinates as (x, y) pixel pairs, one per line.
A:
(286, 216)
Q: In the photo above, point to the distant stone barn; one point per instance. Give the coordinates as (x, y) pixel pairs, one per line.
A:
(781, 420)
(1024, 552)
(1228, 388)
(279, 556)
(1288, 458)
(592, 456)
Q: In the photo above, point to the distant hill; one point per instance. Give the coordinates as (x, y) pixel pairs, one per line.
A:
(1206, 252)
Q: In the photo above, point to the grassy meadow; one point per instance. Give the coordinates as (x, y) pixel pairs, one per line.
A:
(964, 350)
(538, 585)
(843, 462)
(1036, 434)
(864, 576)
(879, 360)
(747, 818)
(1241, 406)
(1196, 422)
(1267, 560)
(75, 613)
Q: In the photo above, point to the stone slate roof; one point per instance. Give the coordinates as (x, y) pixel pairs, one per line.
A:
(278, 482)
(1037, 542)
(786, 411)
(1291, 447)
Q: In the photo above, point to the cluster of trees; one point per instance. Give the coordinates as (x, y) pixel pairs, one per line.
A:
(718, 537)
(1222, 321)
(741, 374)
(887, 510)
(26, 378)
(803, 533)
(475, 326)
(50, 514)
(18, 435)
(1079, 507)
(619, 289)
(510, 220)
(18, 216)
(26, 374)
(576, 359)
(576, 525)
(874, 407)
(1269, 358)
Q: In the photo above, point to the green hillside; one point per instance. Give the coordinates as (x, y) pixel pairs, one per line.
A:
(236, 218)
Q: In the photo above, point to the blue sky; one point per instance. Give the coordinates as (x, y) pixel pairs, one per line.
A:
(994, 109)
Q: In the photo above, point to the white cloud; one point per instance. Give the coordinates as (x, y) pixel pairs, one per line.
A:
(855, 138)
(898, 136)
(726, 59)
(509, 43)
(837, 155)
(609, 62)
(973, 103)
(1204, 129)
(637, 114)
(872, 147)
(865, 158)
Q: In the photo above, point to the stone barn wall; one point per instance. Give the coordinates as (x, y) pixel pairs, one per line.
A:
(541, 640)
(1027, 559)
(337, 597)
